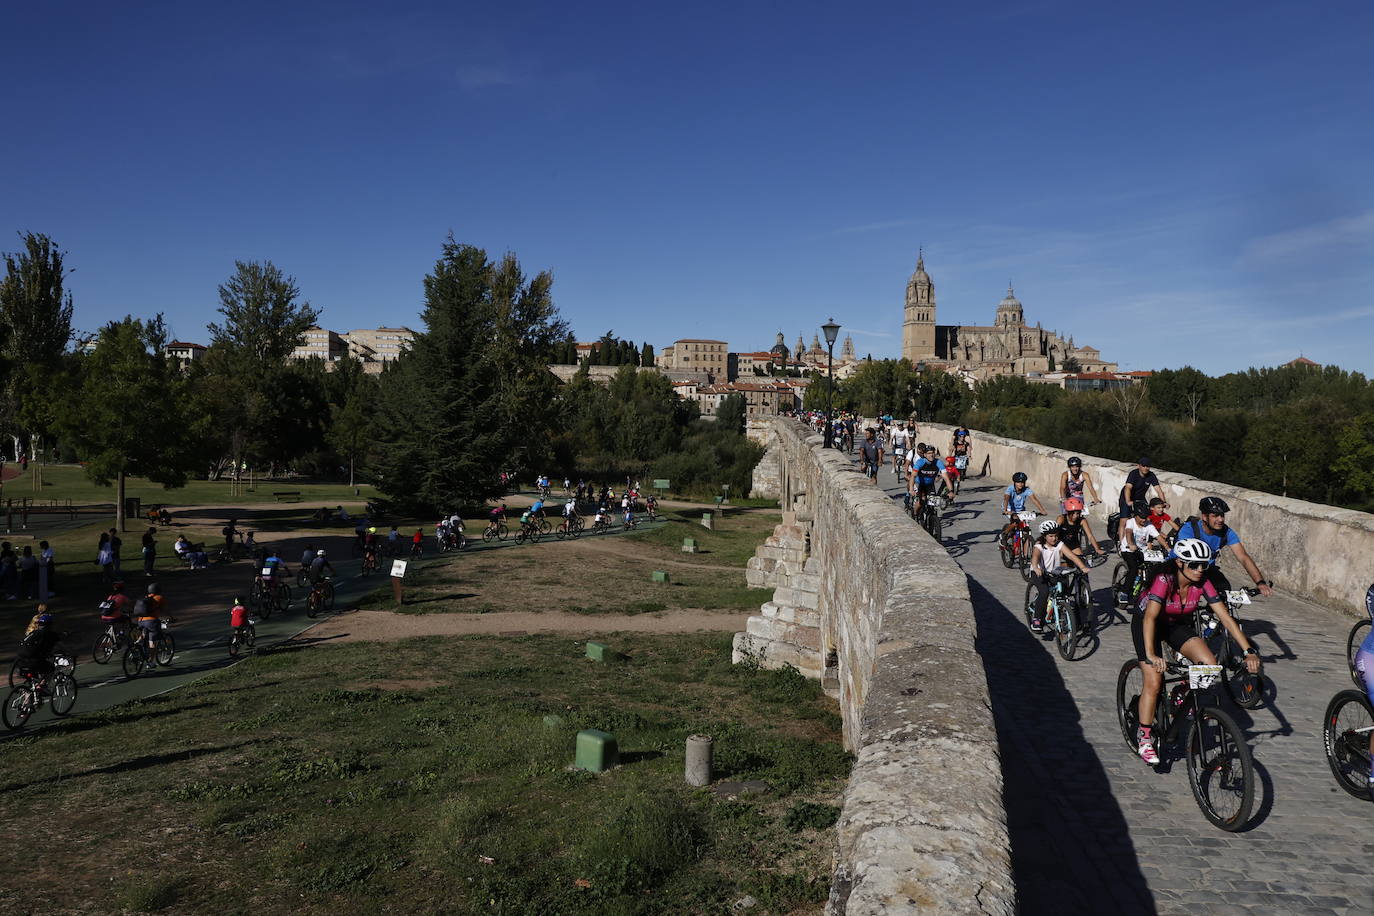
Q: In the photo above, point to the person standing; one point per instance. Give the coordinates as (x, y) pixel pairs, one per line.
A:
(102, 557)
(47, 571)
(9, 571)
(149, 552)
(116, 542)
(28, 573)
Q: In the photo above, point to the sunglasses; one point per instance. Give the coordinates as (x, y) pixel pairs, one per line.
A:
(1198, 564)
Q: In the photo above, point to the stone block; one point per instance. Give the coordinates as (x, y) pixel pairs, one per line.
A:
(689, 545)
(600, 652)
(596, 751)
(707, 520)
(660, 576)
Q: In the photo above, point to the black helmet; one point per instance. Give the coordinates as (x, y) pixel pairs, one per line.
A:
(1018, 477)
(1075, 462)
(1213, 505)
(1141, 508)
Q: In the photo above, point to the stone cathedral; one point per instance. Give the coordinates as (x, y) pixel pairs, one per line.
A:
(1006, 347)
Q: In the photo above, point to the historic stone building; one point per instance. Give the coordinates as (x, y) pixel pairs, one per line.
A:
(1008, 346)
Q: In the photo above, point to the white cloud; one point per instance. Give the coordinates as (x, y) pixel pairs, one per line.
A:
(1307, 241)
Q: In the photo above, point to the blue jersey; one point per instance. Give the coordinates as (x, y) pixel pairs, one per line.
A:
(1368, 644)
(1196, 529)
(927, 472)
(1016, 502)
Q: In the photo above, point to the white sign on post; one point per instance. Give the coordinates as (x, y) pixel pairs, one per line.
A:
(398, 569)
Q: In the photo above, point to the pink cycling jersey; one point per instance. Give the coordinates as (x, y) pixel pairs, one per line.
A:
(1176, 605)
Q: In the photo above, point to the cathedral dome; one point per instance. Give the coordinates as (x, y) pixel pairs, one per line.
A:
(1010, 301)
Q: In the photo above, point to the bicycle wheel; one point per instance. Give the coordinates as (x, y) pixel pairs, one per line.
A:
(1245, 689)
(314, 603)
(1083, 604)
(328, 589)
(1346, 729)
(166, 648)
(252, 638)
(544, 526)
(19, 707)
(488, 535)
(520, 537)
(1065, 628)
(234, 645)
(1352, 645)
(63, 688)
(1004, 547)
(536, 534)
(104, 648)
(503, 532)
(134, 661)
(1027, 606)
(1130, 683)
(281, 598)
(1023, 560)
(1119, 584)
(1220, 769)
(15, 679)
(560, 532)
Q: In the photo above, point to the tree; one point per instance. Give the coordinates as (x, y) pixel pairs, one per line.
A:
(128, 414)
(1355, 456)
(731, 413)
(646, 355)
(263, 323)
(1179, 394)
(472, 398)
(35, 329)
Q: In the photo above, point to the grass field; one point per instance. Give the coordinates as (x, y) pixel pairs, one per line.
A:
(424, 777)
(69, 482)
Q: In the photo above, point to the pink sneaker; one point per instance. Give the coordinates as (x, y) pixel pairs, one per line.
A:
(1147, 747)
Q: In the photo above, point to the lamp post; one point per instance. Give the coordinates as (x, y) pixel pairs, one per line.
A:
(831, 329)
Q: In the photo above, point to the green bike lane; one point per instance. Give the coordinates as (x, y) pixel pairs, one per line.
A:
(202, 643)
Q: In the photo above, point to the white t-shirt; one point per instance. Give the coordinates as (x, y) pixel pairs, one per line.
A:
(899, 440)
(1049, 556)
(1138, 536)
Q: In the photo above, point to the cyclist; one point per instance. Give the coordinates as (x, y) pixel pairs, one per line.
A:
(1162, 520)
(1137, 486)
(417, 543)
(1139, 536)
(319, 568)
(114, 609)
(870, 454)
(629, 516)
(393, 541)
(1074, 481)
(601, 520)
(1014, 499)
(924, 474)
(1212, 529)
(1073, 526)
(899, 444)
(569, 513)
(38, 645)
(651, 506)
(273, 572)
(1364, 664)
(307, 556)
(148, 616)
(962, 442)
(528, 523)
(537, 510)
(1168, 616)
(495, 517)
(238, 618)
(955, 475)
(1049, 560)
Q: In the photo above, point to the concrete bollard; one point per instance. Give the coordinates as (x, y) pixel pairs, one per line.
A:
(699, 750)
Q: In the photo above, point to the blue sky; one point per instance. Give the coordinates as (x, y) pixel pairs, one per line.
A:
(1173, 182)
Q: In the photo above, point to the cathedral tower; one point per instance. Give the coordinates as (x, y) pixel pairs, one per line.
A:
(918, 327)
(1009, 312)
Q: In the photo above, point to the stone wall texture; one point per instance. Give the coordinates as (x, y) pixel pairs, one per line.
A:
(923, 828)
(1315, 552)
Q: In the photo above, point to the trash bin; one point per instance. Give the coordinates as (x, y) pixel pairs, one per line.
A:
(133, 507)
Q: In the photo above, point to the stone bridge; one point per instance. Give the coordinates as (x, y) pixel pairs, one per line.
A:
(990, 774)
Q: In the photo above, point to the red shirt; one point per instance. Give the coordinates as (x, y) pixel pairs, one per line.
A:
(238, 617)
(1159, 521)
(417, 538)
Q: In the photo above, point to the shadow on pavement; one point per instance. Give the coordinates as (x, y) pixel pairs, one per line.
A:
(1071, 850)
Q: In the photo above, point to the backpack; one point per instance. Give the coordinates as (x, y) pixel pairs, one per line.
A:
(142, 608)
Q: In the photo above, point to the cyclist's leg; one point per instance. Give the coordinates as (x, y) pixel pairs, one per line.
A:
(1153, 680)
(1364, 664)
(1041, 582)
(1196, 650)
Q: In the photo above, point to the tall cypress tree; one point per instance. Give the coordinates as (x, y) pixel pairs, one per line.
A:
(473, 397)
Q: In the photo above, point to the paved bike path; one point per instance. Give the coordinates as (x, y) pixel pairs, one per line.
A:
(202, 644)
(1094, 830)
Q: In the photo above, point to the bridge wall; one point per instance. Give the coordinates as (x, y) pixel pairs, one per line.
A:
(1313, 551)
(923, 826)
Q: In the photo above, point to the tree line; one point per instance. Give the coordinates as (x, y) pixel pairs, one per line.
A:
(1303, 431)
(471, 399)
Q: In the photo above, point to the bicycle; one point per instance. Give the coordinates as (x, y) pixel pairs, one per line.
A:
(60, 663)
(321, 598)
(369, 563)
(1068, 612)
(1145, 573)
(242, 637)
(1352, 645)
(1220, 770)
(1246, 689)
(1346, 727)
(528, 531)
(601, 525)
(569, 528)
(1015, 546)
(925, 509)
(115, 637)
(496, 531)
(136, 655)
(59, 689)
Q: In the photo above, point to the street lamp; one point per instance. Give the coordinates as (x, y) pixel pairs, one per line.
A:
(831, 329)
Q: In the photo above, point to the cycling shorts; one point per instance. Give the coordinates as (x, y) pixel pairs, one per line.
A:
(1173, 630)
(1364, 664)
(926, 485)
(151, 624)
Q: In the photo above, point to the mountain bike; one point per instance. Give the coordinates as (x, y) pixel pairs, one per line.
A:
(321, 598)
(569, 528)
(115, 637)
(1015, 545)
(1346, 727)
(58, 688)
(60, 663)
(137, 654)
(240, 638)
(369, 563)
(528, 532)
(1127, 593)
(1220, 770)
(1246, 689)
(1068, 611)
(927, 513)
(497, 531)
(1352, 645)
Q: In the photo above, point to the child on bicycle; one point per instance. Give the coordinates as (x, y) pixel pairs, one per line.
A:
(1014, 500)
(113, 610)
(238, 617)
(1049, 560)
(38, 645)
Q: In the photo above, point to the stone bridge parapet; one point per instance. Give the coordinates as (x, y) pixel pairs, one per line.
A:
(889, 623)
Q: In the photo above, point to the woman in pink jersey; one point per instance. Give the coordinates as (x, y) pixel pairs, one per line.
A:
(1166, 614)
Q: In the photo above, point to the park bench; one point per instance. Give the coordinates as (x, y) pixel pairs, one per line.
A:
(287, 495)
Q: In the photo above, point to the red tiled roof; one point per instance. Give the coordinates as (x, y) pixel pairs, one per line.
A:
(181, 344)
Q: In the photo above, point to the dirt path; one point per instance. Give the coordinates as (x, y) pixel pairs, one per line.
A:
(385, 626)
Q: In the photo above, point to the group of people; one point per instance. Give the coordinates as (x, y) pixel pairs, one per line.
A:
(27, 575)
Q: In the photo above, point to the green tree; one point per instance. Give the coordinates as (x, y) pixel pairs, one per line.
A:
(128, 414)
(1354, 463)
(263, 322)
(646, 355)
(1179, 394)
(472, 397)
(731, 413)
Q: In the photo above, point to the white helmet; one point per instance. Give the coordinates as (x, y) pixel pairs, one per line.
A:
(1048, 525)
(1193, 550)
(319, 553)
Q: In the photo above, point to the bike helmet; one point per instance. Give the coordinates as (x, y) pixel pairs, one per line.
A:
(1193, 550)
(117, 586)
(238, 599)
(1018, 477)
(1141, 508)
(320, 552)
(153, 588)
(1049, 526)
(44, 619)
(1073, 504)
(1213, 505)
(1075, 462)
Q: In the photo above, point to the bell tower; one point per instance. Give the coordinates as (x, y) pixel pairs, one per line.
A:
(918, 326)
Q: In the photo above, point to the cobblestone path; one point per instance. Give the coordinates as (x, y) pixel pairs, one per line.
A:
(1096, 831)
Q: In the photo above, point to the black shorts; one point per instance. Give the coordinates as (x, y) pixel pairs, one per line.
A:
(1174, 631)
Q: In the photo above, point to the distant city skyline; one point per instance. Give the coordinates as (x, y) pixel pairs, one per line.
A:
(1177, 184)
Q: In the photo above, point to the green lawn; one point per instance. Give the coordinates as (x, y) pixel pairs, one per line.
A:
(423, 776)
(69, 482)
